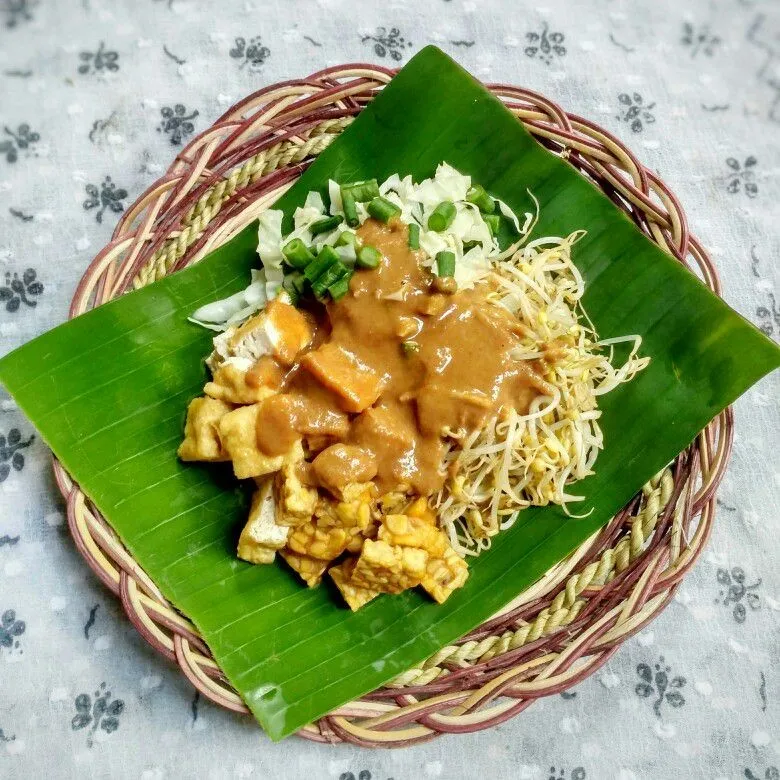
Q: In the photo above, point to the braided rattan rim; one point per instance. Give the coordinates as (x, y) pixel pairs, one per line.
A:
(566, 625)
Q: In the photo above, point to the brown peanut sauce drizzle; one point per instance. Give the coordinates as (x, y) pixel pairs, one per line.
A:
(455, 372)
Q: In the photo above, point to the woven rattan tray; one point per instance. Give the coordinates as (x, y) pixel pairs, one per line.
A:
(566, 625)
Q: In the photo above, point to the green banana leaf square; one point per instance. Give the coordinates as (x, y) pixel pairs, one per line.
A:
(108, 392)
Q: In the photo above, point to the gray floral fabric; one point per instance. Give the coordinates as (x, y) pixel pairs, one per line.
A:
(97, 96)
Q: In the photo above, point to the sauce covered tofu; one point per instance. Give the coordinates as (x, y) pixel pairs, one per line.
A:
(355, 383)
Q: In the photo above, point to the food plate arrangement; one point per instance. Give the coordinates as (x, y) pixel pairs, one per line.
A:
(551, 596)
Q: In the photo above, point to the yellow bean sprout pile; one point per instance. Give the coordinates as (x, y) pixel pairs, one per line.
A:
(517, 461)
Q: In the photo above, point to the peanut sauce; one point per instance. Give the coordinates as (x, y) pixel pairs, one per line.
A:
(455, 373)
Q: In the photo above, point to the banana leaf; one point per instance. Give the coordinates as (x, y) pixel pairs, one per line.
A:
(108, 393)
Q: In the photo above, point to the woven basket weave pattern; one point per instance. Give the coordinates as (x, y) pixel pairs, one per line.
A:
(566, 625)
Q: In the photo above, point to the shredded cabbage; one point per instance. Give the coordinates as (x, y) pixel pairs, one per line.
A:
(416, 201)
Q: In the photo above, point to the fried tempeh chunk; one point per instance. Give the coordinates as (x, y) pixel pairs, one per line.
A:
(419, 508)
(324, 544)
(309, 569)
(444, 575)
(201, 433)
(346, 514)
(239, 438)
(355, 595)
(405, 531)
(262, 536)
(355, 544)
(389, 569)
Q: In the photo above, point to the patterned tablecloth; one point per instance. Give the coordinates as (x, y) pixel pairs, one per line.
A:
(96, 96)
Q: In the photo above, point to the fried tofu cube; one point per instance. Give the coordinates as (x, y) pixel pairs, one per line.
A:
(239, 438)
(266, 372)
(386, 435)
(232, 384)
(342, 465)
(459, 409)
(355, 595)
(405, 531)
(309, 569)
(262, 536)
(389, 569)
(201, 431)
(280, 330)
(444, 575)
(317, 443)
(325, 544)
(296, 502)
(356, 385)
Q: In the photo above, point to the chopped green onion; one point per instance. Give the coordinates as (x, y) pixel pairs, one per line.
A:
(361, 191)
(382, 209)
(368, 257)
(350, 209)
(442, 216)
(297, 254)
(468, 245)
(329, 277)
(354, 193)
(347, 238)
(326, 225)
(410, 348)
(324, 260)
(445, 263)
(340, 288)
(493, 221)
(414, 236)
(481, 199)
(295, 284)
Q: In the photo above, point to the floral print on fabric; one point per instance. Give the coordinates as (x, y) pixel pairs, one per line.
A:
(98, 711)
(657, 683)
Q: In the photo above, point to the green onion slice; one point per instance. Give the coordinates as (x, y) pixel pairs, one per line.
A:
(442, 216)
(414, 236)
(347, 238)
(326, 225)
(481, 199)
(297, 254)
(324, 260)
(382, 209)
(368, 257)
(295, 284)
(350, 209)
(493, 221)
(445, 263)
(340, 288)
(333, 274)
(361, 191)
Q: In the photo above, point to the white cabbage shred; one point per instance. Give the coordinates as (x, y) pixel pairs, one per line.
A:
(416, 202)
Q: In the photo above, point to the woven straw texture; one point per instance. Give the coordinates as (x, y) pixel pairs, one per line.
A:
(570, 622)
